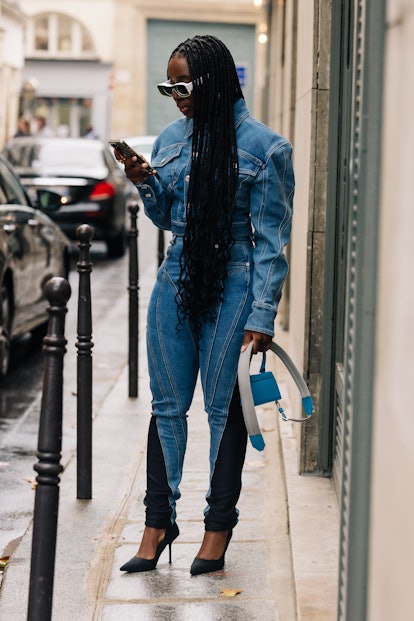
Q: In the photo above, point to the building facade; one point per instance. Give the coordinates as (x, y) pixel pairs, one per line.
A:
(97, 63)
(69, 61)
(340, 83)
(12, 28)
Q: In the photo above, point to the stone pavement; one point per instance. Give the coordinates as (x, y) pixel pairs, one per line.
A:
(282, 559)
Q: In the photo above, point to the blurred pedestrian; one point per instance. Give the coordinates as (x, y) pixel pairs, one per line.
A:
(224, 186)
(23, 127)
(42, 128)
(90, 133)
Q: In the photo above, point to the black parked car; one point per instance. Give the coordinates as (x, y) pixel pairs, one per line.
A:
(33, 249)
(94, 190)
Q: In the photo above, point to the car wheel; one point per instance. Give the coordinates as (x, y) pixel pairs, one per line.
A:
(5, 320)
(116, 245)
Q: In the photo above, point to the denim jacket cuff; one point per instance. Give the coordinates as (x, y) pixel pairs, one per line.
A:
(261, 320)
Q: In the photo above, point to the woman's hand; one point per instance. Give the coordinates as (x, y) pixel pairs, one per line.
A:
(261, 342)
(134, 170)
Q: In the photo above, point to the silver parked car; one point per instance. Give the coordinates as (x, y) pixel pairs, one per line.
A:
(33, 249)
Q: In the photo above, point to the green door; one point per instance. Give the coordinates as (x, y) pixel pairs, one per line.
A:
(164, 36)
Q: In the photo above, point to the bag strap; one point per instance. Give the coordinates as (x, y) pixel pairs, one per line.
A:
(307, 403)
(249, 411)
(263, 365)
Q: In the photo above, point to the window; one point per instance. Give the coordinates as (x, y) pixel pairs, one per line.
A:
(42, 33)
(57, 35)
(64, 33)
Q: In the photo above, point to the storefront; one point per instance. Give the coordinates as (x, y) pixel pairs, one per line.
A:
(71, 95)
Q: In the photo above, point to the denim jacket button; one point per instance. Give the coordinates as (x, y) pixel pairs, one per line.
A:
(187, 178)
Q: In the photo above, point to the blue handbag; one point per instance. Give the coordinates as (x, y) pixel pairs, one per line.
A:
(262, 388)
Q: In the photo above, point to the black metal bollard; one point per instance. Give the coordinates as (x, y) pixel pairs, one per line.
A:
(84, 344)
(133, 288)
(57, 292)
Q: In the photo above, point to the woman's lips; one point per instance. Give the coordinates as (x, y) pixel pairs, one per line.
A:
(183, 109)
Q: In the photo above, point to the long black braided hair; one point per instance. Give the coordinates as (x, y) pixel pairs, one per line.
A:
(208, 240)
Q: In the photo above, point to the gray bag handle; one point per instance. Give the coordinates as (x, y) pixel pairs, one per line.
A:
(249, 411)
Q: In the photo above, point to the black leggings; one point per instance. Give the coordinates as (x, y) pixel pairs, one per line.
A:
(225, 484)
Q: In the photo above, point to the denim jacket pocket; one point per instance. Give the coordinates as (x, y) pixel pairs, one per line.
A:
(169, 160)
(171, 163)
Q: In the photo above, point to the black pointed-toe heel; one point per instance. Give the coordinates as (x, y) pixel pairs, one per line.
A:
(204, 566)
(136, 563)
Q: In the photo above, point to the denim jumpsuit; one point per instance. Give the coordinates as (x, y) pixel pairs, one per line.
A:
(256, 271)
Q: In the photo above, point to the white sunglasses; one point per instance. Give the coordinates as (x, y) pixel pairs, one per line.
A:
(181, 89)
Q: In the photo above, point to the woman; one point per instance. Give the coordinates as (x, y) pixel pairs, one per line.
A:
(224, 186)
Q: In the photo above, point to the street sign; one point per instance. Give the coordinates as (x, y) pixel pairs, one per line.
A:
(243, 73)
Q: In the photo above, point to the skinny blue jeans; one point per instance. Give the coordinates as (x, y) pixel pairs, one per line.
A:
(175, 359)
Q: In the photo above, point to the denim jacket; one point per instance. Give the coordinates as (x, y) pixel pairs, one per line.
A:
(263, 201)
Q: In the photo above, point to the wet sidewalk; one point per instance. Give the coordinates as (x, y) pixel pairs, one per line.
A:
(275, 564)
(249, 587)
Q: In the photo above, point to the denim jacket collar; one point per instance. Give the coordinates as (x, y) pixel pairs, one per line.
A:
(240, 112)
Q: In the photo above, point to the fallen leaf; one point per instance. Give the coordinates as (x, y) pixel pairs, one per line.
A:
(230, 592)
(31, 480)
(3, 561)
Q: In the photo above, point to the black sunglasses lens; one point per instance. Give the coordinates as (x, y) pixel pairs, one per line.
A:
(181, 90)
(165, 90)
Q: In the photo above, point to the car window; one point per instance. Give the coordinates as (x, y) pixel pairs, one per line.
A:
(19, 154)
(10, 189)
(3, 199)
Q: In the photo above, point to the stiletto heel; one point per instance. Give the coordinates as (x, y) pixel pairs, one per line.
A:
(205, 566)
(137, 564)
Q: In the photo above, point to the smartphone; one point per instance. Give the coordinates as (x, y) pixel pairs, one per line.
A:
(126, 151)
